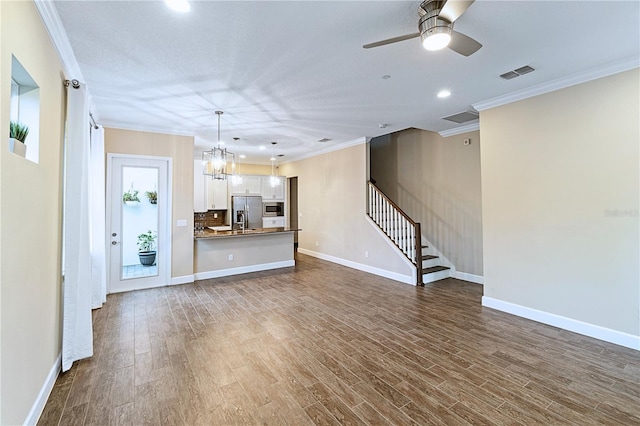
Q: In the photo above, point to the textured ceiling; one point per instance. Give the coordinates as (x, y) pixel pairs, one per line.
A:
(295, 71)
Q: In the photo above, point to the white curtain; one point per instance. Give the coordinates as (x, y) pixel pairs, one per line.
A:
(97, 208)
(77, 335)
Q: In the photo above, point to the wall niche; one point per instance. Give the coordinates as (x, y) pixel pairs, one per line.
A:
(25, 108)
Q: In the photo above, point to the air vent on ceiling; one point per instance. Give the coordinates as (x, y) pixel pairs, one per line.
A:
(517, 72)
(324, 140)
(462, 117)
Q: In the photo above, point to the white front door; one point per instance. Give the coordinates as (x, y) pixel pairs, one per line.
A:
(138, 226)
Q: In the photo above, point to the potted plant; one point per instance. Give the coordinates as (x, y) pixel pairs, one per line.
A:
(152, 196)
(146, 248)
(130, 198)
(17, 135)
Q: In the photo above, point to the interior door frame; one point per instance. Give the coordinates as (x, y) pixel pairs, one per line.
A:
(166, 229)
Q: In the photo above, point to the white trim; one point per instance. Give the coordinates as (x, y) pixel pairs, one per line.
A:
(560, 83)
(51, 20)
(45, 391)
(431, 277)
(185, 279)
(477, 279)
(169, 213)
(405, 279)
(336, 147)
(576, 326)
(243, 270)
(58, 36)
(460, 130)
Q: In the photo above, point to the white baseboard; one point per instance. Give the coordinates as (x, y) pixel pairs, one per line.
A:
(477, 279)
(185, 279)
(243, 270)
(406, 279)
(576, 326)
(45, 391)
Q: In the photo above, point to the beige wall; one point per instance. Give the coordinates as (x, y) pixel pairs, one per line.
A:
(552, 166)
(180, 148)
(436, 181)
(30, 225)
(332, 209)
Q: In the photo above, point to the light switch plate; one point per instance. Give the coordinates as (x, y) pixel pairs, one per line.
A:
(181, 222)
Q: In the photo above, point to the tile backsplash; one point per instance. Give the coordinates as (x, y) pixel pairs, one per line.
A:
(209, 218)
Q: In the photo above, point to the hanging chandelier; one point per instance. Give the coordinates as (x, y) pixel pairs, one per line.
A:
(216, 161)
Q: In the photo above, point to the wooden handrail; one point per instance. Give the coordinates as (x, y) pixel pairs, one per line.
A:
(403, 231)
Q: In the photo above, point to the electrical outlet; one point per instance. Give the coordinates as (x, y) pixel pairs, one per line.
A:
(215, 215)
(317, 244)
(230, 257)
(467, 141)
(366, 254)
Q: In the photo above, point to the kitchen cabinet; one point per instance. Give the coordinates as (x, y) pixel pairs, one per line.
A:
(272, 192)
(273, 222)
(248, 185)
(217, 194)
(199, 188)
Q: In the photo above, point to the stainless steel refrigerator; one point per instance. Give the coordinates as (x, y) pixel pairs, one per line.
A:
(250, 208)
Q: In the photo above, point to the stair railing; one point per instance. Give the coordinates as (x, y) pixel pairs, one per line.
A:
(397, 225)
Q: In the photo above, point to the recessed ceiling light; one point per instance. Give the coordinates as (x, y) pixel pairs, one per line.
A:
(323, 140)
(272, 158)
(382, 125)
(444, 94)
(243, 156)
(262, 147)
(386, 77)
(179, 5)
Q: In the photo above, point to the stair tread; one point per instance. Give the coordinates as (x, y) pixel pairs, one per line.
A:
(434, 269)
(429, 257)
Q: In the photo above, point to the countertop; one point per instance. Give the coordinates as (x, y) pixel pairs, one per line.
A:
(210, 233)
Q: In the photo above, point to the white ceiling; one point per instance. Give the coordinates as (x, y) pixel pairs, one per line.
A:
(295, 71)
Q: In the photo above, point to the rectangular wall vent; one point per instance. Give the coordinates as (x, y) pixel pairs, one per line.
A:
(517, 72)
(462, 117)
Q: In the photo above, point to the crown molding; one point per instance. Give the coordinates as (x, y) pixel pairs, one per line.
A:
(58, 35)
(560, 83)
(336, 147)
(460, 130)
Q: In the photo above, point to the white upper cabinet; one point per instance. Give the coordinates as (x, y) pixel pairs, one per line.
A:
(272, 192)
(208, 194)
(247, 185)
(217, 194)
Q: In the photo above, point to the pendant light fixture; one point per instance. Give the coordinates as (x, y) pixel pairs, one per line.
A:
(214, 162)
(274, 180)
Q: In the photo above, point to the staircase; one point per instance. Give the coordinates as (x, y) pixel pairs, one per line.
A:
(404, 232)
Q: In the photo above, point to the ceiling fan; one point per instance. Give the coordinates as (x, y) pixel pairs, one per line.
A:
(435, 28)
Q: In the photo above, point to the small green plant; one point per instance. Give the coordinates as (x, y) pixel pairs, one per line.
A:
(18, 131)
(147, 241)
(152, 196)
(130, 195)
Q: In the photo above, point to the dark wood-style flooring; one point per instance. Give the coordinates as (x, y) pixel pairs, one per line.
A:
(324, 344)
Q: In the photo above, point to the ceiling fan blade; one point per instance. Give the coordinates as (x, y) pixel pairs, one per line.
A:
(452, 9)
(391, 40)
(463, 44)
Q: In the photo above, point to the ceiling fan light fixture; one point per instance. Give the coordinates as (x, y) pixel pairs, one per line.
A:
(436, 40)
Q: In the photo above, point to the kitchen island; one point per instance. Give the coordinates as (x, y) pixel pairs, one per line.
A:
(232, 252)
